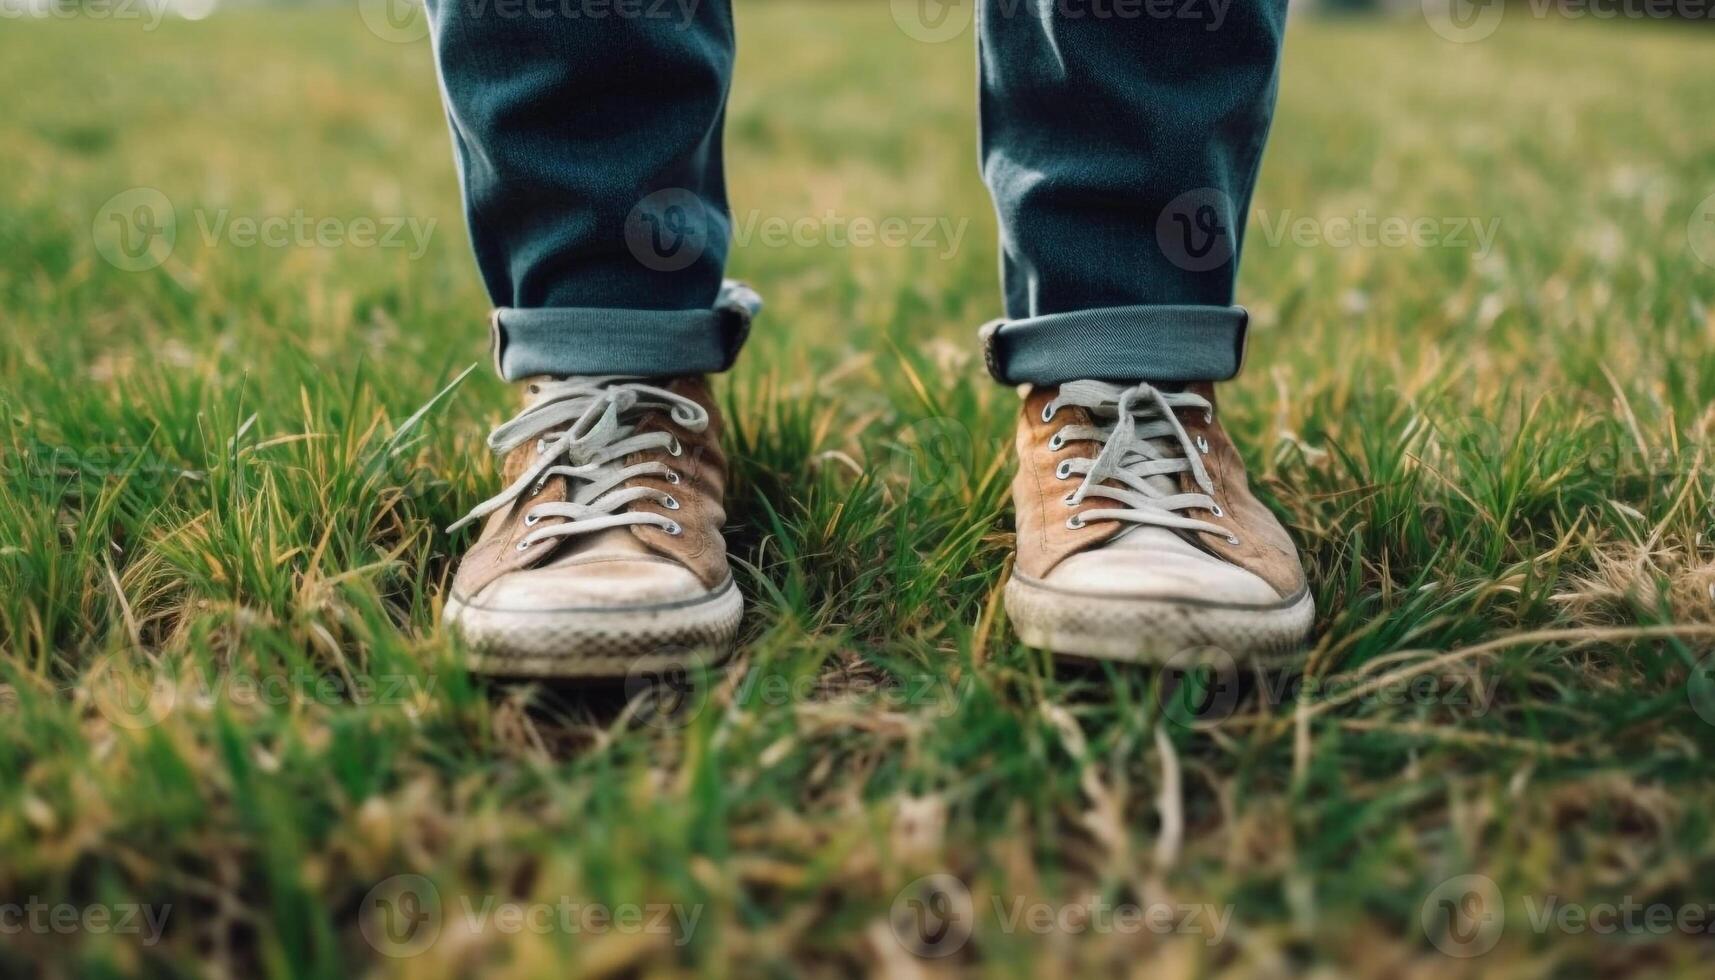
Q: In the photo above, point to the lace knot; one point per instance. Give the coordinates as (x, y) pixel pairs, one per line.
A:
(584, 429)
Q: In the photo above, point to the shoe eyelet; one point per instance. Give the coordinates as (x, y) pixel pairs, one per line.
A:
(1063, 471)
(1202, 445)
(674, 529)
(530, 520)
(671, 502)
(673, 477)
(1068, 501)
(1055, 443)
(541, 446)
(673, 448)
(523, 546)
(1048, 411)
(1232, 539)
(1217, 511)
(1075, 522)
(1208, 416)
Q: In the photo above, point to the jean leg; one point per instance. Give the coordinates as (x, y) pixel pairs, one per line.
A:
(589, 153)
(1121, 142)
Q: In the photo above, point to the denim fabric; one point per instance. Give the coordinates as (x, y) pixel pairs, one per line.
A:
(1121, 153)
(1121, 143)
(650, 343)
(563, 127)
(1111, 343)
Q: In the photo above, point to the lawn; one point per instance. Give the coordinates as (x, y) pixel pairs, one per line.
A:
(234, 741)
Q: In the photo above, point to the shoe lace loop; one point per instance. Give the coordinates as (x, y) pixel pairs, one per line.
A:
(584, 428)
(1144, 449)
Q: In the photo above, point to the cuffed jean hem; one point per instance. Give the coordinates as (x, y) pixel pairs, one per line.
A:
(1118, 343)
(562, 341)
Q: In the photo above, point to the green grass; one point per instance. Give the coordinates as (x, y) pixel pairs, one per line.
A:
(1496, 465)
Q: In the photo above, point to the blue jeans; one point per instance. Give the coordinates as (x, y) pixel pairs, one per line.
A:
(1120, 140)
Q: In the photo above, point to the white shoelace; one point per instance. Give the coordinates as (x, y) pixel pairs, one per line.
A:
(584, 429)
(1144, 449)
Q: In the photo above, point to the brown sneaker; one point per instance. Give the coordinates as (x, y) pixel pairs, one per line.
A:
(1138, 537)
(604, 552)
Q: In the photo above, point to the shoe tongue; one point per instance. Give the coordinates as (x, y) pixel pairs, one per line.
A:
(1150, 538)
(614, 542)
(1162, 483)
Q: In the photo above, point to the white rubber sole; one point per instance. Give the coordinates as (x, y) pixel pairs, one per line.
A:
(598, 641)
(1156, 630)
